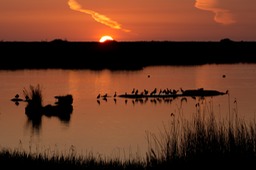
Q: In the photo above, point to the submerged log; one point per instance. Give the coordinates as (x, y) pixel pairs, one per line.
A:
(201, 92)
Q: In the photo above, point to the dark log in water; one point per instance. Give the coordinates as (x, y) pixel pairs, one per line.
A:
(192, 93)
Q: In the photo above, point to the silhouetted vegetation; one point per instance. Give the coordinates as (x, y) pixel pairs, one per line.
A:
(204, 143)
(35, 108)
(34, 100)
(122, 55)
(201, 143)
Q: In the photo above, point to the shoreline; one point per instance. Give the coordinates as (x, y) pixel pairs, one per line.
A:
(122, 55)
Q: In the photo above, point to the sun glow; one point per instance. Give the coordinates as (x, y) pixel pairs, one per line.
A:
(106, 38)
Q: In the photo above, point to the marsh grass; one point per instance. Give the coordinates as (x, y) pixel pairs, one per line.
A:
(203, 142)
(34, 99)
(17, 158)
(34, 96)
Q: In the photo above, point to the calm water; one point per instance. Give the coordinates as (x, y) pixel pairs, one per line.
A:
(116, 128)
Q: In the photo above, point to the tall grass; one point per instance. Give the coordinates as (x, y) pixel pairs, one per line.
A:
(202, 142)
(34, 108)
(34, 96)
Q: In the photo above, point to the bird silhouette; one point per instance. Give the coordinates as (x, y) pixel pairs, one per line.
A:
(26, 98)
(153, 92)
(136, 92)
(227, 92)
(182, 91)
(98, 96)
(133, 90)
(105, 98)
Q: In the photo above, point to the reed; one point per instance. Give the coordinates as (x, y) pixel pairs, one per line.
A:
(16, 158)
(34, 96)
(203, 142)
(34, 100)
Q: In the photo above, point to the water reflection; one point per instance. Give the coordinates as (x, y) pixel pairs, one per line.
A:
(62, 109)
(154, 101)
(34, 123)
(119, 122)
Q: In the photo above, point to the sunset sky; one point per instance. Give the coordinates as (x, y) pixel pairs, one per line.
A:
(127, 20)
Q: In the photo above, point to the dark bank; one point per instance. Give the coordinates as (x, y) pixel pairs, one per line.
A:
(122, 55)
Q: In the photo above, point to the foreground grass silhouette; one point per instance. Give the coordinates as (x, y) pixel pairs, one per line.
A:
(204, 143)
(200, 143)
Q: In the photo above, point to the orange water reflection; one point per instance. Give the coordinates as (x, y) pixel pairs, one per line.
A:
(115, 127)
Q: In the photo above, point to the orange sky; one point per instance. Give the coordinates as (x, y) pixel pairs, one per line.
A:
(127, 20)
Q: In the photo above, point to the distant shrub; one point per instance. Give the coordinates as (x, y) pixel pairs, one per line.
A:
(226, 40)
(59, 41)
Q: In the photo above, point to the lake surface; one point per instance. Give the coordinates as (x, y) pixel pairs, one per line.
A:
(117, 128)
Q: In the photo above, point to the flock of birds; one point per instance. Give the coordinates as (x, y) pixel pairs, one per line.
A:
(162, 95)
(105, 96)
(17, 99)
(154, 92)
(166, 91)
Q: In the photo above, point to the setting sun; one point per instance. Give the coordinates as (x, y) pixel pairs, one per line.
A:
(106, 38)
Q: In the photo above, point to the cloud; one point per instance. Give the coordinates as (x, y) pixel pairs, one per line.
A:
(74, 5)
(222, 16)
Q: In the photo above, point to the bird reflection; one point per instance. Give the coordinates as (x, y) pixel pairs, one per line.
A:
(98, 101)
(139, 100)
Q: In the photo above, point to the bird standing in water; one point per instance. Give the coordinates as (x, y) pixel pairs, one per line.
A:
(98, 96)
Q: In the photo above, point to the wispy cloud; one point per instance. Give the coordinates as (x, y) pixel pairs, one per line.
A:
(74, 5)
(222, 16)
